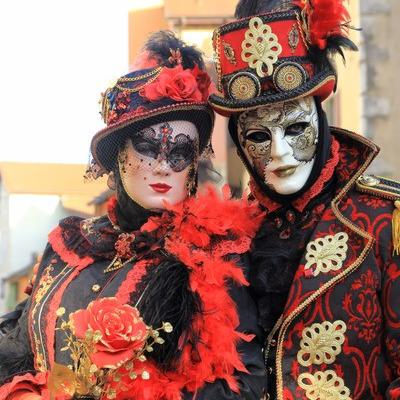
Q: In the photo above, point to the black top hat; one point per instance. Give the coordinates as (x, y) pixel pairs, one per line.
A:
(280, 54)
(168, 83)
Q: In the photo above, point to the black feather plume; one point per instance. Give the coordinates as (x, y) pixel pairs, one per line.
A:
(248, 8)
(335, 45)
(338, 44)
(167, 298)
(160, 44)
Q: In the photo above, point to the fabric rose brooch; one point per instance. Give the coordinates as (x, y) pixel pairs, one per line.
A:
(179, 84)
(107, 342)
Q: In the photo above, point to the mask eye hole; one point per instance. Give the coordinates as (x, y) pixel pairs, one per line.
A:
(146, 147)
(296, 129)
(258, 136)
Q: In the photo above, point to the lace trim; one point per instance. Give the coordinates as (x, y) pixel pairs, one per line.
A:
(68, 256)
(301, 203)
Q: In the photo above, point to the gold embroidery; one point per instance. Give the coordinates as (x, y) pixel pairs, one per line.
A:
(244, 86)
(323, 386)
(327, 254)
(47, 285)
(369, 240)
(289, 76)
(87, 224)
(229, 53)
(44, 285)
(321, 343)
(261, 48)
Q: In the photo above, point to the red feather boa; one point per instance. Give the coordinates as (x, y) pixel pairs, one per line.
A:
(200, 232)
(324, 18)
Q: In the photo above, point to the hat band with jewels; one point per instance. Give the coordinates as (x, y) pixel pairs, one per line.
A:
(262, 53)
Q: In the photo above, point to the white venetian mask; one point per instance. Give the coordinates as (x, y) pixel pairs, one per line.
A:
(279, 142)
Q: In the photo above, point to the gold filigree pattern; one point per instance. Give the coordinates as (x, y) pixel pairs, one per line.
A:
(244, 87)
(289, 76)
(327, 254)
(261, 48)
(44, 285)
(321, 343)
(324, 385)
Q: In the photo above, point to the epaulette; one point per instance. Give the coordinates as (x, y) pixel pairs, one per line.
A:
(379, 186)
(387, 189)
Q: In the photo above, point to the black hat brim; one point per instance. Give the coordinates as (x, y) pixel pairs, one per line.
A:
(320, 85)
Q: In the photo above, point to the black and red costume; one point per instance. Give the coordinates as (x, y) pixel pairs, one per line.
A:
(324, 265)
(175, 270)
(187, 250)
(296, 304)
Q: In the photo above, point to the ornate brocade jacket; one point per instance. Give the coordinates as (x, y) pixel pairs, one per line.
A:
(221, 347)
(339, 335)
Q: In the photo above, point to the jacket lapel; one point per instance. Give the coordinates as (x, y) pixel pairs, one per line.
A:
(338, 246)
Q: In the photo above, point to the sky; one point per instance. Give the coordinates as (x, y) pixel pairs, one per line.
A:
(57, 56)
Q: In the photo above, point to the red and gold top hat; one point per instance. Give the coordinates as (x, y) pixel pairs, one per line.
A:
(280, 55)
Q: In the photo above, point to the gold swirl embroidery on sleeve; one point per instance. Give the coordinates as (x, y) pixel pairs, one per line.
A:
(45, 283)
(327, 254)
(324, 385)
(321, 343)
(261, 48)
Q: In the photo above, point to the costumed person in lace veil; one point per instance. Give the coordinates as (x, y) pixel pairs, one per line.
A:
(148, 302)
(324, 266)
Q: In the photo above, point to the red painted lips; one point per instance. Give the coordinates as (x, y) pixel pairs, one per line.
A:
(160, 187)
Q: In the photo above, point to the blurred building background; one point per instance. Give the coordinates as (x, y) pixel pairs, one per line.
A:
(61, 55)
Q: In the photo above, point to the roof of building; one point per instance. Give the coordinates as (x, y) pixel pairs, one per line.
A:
(64, 180)
(49, 179)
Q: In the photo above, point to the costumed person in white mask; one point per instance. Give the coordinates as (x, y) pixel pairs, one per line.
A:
(325, 265)
(148, 302)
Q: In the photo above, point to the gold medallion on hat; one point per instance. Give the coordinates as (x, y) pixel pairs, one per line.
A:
(244, 86)
(289, 76)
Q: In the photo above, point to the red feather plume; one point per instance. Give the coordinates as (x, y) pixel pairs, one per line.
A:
(323, 19)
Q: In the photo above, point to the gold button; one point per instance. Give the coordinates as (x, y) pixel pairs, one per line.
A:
(96, 288)
(272, 343)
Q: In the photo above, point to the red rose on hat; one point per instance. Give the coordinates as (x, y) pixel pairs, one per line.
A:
(178, 84)
(118, 330)
(203, 82)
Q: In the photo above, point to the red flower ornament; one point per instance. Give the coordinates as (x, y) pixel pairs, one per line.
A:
(190, 85)
(123, 245)
(118, 330)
